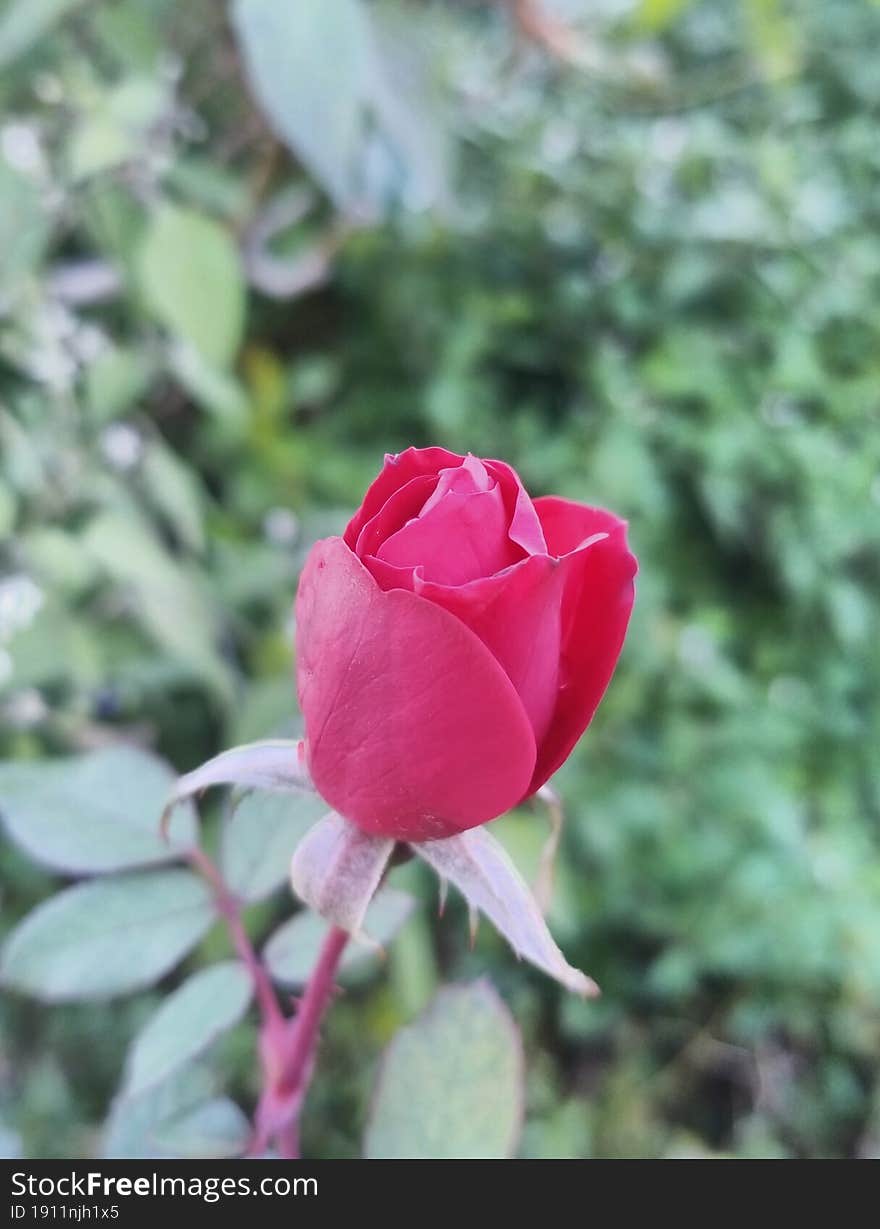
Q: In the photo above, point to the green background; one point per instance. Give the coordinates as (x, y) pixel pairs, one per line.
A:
(240, 261)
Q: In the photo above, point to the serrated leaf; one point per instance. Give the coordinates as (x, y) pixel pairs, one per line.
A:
(190, 276)
(259, 836)
(317, 111)
(187, 1023)
(336, 869)
(108, 937)
(478, 866)
(451, 1084)
(292, 950)
(93, 813)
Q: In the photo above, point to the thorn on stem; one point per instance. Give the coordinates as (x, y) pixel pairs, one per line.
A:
(473, 924)
(165, 821)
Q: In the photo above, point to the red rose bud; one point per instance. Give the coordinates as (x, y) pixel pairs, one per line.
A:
(455, 643)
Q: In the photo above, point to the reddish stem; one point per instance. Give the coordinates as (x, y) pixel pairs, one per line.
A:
(304, 1035)
(280, 1106)
(287, 1047)
(229, 908)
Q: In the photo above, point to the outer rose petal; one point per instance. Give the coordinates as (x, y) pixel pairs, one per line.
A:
(518, 616)
(598, 600)
(413, 729)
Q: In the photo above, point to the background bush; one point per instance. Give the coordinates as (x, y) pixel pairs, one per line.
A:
(243, 253)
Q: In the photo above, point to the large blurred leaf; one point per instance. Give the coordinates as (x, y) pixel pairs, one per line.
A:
(308, 64)
(108, 937)
(191, 279)
(182, 1116)
(451, 1084)
(24, 22)
(410, 152)
(259, 837)
(216, 1128)
(95, 813)
(188, 1021)
(291, 952)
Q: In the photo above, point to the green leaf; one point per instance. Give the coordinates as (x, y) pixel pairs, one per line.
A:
(210, 386)
(451, 1084)
(115, 380)
(24, 22)
(259, 837)
(109, 937)
(118, 126)
(317, 109)
(658, 14)
(174, 490)
(291, 952)
(24, 230)
(190, 276)
(8, 511)
(216, 1128)
(187, 1023)
(93, 813)
(411, 144)
(146, 1125)
(169, 603)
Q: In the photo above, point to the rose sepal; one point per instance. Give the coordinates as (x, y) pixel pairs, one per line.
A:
(278, 765)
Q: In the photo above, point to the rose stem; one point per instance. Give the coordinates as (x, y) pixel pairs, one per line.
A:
(297, 1039)
(229, 908)
(299, 1061)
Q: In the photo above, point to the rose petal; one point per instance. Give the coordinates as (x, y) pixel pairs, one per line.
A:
(461, 537)
(413, 729)
(568, 525)
(396, 472)
(525, 528)
(597, 603)
(517, 615)
(404, 505)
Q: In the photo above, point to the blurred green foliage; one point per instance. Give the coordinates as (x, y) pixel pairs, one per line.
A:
(649, 278)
